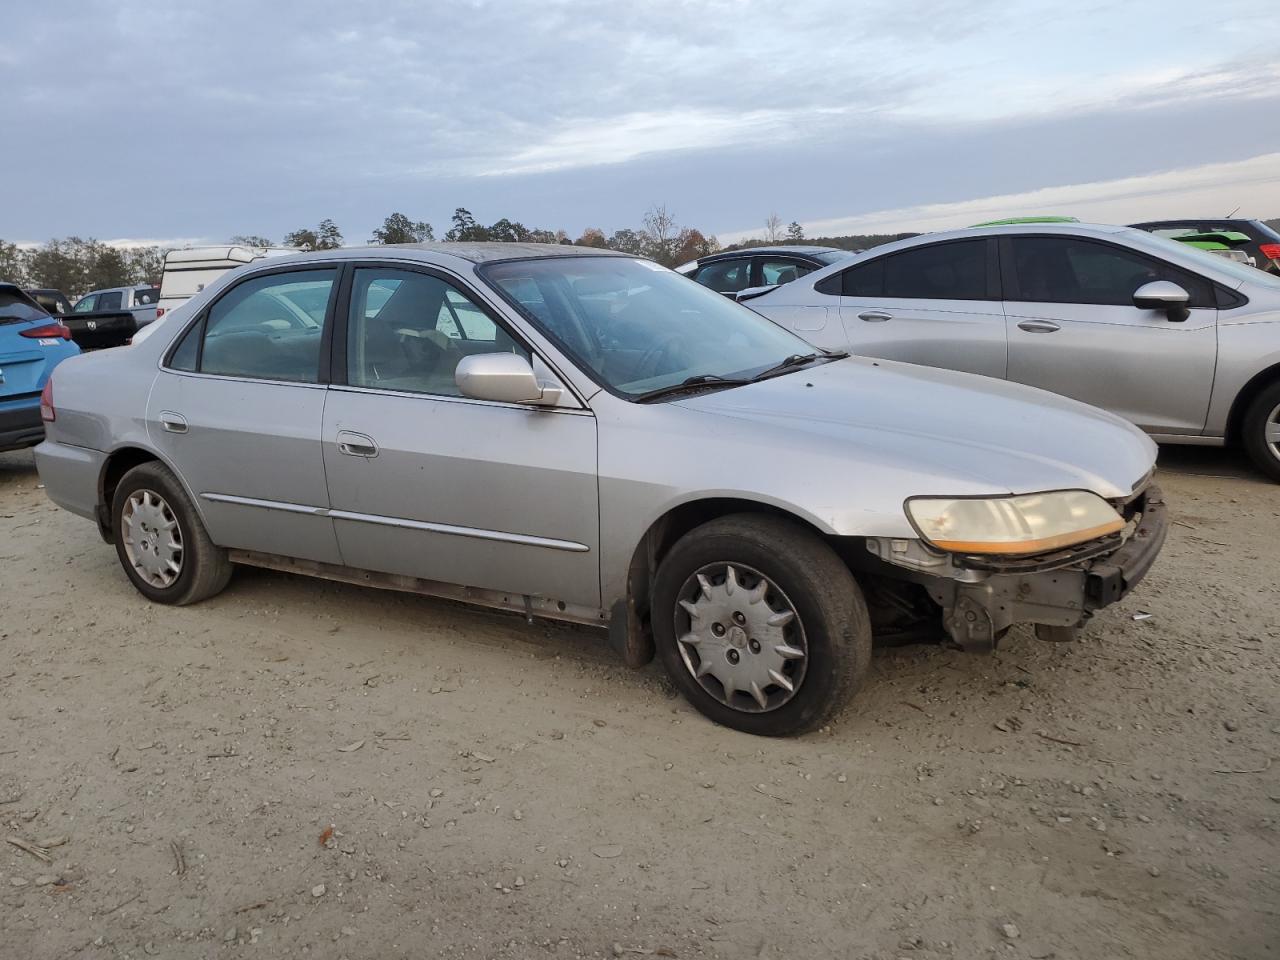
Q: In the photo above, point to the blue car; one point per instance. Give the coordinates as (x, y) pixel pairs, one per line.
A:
(32, 343)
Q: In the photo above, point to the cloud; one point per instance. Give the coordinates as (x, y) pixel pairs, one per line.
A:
(1209, 190)
(250, 117)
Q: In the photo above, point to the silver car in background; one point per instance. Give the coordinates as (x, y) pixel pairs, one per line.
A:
(1184, 344)
(590, 437)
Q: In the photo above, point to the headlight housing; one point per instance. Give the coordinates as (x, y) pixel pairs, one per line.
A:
(1013, 526)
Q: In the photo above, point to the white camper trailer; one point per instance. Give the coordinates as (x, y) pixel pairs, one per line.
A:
(187, 272)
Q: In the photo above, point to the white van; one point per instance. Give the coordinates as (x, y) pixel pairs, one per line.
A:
(187, 272)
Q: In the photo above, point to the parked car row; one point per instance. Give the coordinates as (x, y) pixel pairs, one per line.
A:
(1186, 346)
(587, 436)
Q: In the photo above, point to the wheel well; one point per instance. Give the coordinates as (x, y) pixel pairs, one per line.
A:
(675, 523)
(1244, 399)
(118, 464)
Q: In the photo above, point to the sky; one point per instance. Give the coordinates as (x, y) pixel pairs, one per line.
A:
(176, 123)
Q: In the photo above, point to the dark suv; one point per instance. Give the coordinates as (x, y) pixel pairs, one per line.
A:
(1264, 241)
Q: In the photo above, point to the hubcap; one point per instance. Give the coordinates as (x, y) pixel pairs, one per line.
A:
(740, 637)
(152, 538)
(1271, 428)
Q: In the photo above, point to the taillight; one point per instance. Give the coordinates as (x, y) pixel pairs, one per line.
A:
(50, 331)
(1270, 250)
(47, 413)
(159, 312)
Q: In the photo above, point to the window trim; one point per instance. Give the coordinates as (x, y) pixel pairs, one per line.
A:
(1009, 271)
(200, 320)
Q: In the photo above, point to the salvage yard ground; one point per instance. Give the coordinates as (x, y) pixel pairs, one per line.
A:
(297, 768)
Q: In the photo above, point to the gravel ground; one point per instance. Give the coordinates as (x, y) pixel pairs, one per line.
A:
(297, 768)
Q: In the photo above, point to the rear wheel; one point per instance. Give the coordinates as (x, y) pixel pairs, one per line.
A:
(1261, 429)
(760, 625)
(161, 543)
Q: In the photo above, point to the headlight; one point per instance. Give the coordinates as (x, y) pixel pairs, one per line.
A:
(1030, 523)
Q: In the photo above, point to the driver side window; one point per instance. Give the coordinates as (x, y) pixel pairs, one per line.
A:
(1072, 270)
(726, 276)
(269, 327)
(408, 331)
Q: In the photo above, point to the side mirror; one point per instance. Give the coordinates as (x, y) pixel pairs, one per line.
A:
(752, 292)
(1163, 295)
(504, 378)
(1160, 295)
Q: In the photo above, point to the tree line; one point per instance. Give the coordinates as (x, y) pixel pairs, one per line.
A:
(76, 265)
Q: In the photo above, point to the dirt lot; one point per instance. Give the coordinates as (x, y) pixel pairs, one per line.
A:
(498, 790)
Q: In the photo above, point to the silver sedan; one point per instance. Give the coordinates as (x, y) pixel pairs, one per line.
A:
(1182, 343)
(590, 437)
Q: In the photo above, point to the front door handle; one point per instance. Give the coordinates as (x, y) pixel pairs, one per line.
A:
(875, 316)
(173, 422)
(1038, 326)
(356, 444)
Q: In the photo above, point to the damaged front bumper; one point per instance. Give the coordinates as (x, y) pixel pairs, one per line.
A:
(981, 597)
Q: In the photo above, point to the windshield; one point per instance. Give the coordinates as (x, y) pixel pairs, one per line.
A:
(635, 327)
(14, 308)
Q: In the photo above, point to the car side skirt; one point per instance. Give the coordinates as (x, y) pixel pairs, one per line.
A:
(530, 606)
(1188, 439)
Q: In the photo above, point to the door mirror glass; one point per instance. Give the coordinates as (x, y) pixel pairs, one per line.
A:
(1160, 295)
(503, 378)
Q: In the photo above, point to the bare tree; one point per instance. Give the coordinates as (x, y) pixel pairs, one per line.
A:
(773, 228)
(660, 225)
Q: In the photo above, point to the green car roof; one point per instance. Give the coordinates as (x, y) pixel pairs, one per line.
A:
(1014, 221)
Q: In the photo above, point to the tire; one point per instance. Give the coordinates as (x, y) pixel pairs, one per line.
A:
(801, 574)
(1263, 416)
(148, 498)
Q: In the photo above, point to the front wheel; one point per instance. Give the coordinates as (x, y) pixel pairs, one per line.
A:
(162, 545)
(1261, 430)
(760, 624)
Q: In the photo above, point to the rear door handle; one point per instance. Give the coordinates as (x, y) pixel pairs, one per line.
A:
(356, 444)
(875, 316)
(1038, 326)
(173, 422)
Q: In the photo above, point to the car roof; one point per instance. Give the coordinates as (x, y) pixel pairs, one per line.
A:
(1017, 229)
(488, 252)
(773, 248)
(130, 286)
(1178, 220)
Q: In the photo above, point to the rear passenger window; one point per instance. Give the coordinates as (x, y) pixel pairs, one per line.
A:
(942, 271)
(407, 331)
(269, 327)
(187, 352)
(109, 301)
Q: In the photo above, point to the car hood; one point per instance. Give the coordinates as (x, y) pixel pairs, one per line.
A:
(969, 434)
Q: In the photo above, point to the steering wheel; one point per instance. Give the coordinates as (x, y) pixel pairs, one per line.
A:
(648, 365)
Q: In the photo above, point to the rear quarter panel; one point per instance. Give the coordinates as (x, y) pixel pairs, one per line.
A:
(101, 400)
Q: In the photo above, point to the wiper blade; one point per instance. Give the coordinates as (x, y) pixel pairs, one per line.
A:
(798, 360)
(690, 384)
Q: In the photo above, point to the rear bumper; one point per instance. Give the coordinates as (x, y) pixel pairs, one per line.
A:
(20, 424)
(70, 476)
